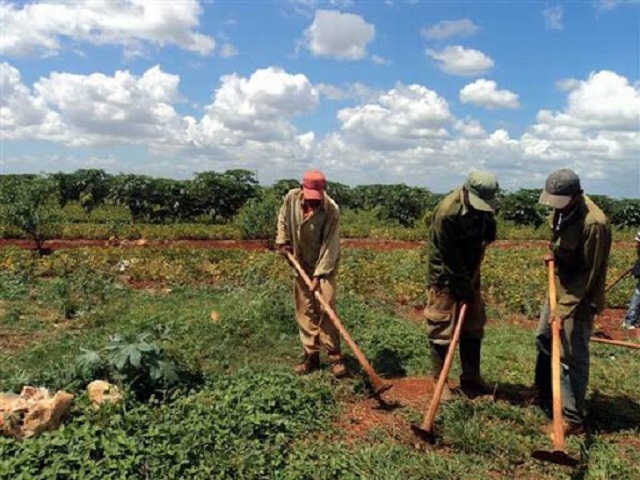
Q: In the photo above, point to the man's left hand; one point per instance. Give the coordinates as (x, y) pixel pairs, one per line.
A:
(315, 284)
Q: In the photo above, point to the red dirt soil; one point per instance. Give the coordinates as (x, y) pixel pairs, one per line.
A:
(360, 418)
(379, 245)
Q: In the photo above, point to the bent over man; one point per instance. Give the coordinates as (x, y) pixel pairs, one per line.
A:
(462, 225)
(309, 227)
(580, 246)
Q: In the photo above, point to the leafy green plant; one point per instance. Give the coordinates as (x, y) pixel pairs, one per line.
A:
(29, 206)
(139, 363)
(257, 219)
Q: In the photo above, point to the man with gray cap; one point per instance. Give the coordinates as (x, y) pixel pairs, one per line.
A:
(462, 225)
(580, 246)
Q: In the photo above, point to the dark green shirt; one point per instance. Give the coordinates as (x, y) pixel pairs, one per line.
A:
(581, 244)
(457, 237)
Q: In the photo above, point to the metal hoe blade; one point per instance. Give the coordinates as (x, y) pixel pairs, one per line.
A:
(425, 435)
(555, 456)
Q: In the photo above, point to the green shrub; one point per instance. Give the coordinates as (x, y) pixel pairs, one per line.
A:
(257, 219)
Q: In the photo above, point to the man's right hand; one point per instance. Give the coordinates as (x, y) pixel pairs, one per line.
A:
(284, 249)
(548, 257)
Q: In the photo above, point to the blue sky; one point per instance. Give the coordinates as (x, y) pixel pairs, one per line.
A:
(412, 91)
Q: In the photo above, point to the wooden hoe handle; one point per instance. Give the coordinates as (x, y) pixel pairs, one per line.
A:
(558, 429)
(430, 414)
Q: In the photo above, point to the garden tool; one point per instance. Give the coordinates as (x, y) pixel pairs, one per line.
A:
(379, 386)
(617, 343)
(618, 280)
(425, 430)
(558, 455)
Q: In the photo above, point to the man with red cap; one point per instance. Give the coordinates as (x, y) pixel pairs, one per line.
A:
(309, 227)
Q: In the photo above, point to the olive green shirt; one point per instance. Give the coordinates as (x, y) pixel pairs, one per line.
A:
(457, 237)
(316, 239)
(581, 246)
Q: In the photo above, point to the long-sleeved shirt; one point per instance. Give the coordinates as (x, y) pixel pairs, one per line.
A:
(316, 239)
(457, 236)
(581, 246)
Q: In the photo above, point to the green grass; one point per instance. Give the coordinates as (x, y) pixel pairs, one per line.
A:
(252, 418)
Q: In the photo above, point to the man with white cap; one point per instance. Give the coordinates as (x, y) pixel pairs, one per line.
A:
(580, 247)
(309, 227)
(632, 318)
(463, 224)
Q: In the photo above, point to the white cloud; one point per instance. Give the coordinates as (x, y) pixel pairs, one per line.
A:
(598, 132)
(405, 134)
(22, 114)
(485, 93)
(450, 28)
(378, 60)
(553, 17)
(343, 36)
(567, 84)
(227, 51)
(41, 27)
(400, 118)
(457, 60)
(611, 4)
(257, 108)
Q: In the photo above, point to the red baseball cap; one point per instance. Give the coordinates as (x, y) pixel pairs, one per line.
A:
(313, 185)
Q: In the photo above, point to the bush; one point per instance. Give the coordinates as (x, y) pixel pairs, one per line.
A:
(29, 206)
(522, 208)
(626, 213)
(257, 219)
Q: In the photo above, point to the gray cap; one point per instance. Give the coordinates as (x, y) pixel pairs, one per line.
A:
(482, 188)
(561, 186)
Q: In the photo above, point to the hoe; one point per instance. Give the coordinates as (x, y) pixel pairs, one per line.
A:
(558, 455)
(379, 386)
(425, 431)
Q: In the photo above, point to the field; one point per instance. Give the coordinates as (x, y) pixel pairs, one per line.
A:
(222, 401)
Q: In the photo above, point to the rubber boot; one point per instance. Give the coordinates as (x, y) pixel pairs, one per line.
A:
(438, 354)
(471, 382)
(310, 363)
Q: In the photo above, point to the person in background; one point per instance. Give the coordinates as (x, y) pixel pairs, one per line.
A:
(309, 228)
(632, 318)
(580, 246)
(463, 224)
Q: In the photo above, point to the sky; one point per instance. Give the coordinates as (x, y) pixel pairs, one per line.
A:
(369, 91)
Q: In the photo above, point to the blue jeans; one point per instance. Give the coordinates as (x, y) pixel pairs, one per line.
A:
(574, 359)
(633, 315)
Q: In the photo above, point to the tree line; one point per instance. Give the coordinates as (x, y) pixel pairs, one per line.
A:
(220, 197)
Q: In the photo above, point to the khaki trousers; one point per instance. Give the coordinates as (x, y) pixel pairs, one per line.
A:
(441, 315)
(316, 329)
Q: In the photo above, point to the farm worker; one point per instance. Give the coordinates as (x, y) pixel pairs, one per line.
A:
(462, 225)
(632, 318)
(580, 245)
(309, 227)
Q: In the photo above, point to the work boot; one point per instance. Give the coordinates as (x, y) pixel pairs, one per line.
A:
(338, 368)
(310, 363)
(471, 382)
(438, 354)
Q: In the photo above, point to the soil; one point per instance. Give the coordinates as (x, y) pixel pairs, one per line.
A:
(361, 418)
(379, 245)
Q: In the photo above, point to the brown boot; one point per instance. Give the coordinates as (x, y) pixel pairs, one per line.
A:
(310, 363)
(447, 394)
(338, 368)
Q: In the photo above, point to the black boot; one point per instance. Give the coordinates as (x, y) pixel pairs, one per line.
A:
(471, 382)
(438, 354)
